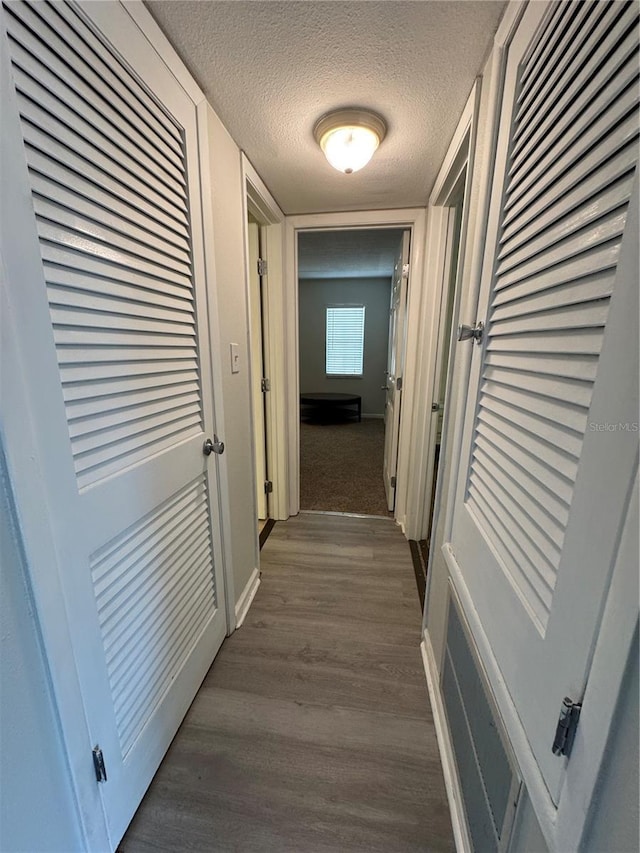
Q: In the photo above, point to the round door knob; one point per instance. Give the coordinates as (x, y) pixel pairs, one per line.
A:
(215, 446)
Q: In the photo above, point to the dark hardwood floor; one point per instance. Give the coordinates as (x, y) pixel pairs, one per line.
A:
(312, 731)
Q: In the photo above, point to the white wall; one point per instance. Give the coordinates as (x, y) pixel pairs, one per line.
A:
(37, 809)
(226, 201)
(315, 294)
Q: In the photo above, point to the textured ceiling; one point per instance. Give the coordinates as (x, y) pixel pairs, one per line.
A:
(347, 254)
(270, 69)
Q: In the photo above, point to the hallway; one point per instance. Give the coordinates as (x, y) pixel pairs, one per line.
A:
(312, 731)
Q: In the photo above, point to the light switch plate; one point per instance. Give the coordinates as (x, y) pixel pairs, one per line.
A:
(235, 358)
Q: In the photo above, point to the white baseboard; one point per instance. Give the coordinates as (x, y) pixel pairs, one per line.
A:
(248, 594)
(451, 780)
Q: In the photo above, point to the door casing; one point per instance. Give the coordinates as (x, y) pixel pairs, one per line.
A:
(258, 201)
(413, 219)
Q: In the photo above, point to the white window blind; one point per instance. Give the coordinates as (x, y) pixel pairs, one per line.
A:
(345, 340)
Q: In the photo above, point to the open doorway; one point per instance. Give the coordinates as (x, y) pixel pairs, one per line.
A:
(352, 296)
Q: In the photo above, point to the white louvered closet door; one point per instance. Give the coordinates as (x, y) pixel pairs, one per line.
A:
(106, 279)
(550, 443)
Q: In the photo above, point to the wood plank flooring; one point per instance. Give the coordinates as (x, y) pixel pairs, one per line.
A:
(312, 732)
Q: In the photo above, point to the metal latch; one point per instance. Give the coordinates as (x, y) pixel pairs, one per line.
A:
(393, 482)
(268, 487)
(399, 383)
(98, 764)
(476, 332)
(567, 725)
(262, 266)
(436, 407)
(265, 385)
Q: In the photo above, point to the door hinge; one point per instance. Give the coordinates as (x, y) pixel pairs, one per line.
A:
(393, 482)
(268, 487)
(98, 764)
(265, 385)
(566, 728)
(262, 266)
(399, 383)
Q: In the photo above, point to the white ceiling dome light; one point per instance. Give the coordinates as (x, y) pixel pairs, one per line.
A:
(349, 138)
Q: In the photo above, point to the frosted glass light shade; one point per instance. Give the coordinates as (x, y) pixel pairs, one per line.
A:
(349, 138)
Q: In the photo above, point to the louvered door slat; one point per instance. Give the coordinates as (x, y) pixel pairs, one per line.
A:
(42, 76)
(582, 341)
(88, 294)
(176, 637)
(131, 384)
(546, 43)
(44, 133)
(144, 392)
(144, 410)
(536, 595)
(104, 257)
(131, 446)
(74, 377)
(64, 168)
(134, 629)
(60, 24)
(570, 174)
(121, 429)
(583, 94)
(152, 598)
(528, 224)
(553, 468)
(540, 526)
(99, 317)
(590, 288)
(597, 209)
(513, 468)
(571, 416)
(544, 554)
(571, 367)
(536, 424)
(553, 386)
(145, 582)
(166, 244)
(579, 140)
(87, 267)
(52, 118)
(71, 226)
(604, 229)
(581, 38)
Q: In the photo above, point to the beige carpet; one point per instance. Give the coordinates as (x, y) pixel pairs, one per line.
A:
(341, 467)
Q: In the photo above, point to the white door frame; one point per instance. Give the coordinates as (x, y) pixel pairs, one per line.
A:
(440, 224)
(258, 201)
(412, 219)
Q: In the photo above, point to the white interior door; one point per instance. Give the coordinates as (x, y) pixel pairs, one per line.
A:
(550, 442)
(257, 368)
(395, 368)
(104, 259)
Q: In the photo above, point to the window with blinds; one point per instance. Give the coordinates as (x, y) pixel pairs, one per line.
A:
(345, 340)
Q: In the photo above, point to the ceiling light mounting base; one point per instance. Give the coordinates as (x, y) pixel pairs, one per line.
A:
(349, 137)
